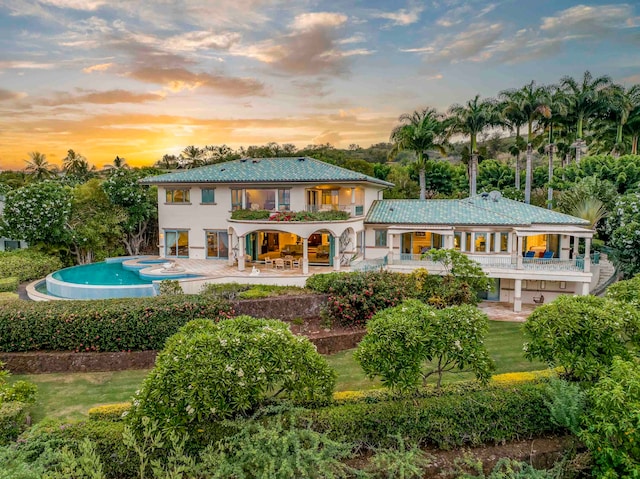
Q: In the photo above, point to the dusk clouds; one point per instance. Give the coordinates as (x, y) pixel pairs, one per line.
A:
(144, 78)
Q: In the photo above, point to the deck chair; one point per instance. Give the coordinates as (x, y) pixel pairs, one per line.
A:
(539, 299)
(547, 255)
(530, 254)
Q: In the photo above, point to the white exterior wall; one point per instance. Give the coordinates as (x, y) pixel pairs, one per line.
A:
(197, 218)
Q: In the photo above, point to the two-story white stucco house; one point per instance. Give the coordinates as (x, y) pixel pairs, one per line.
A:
(529, 251)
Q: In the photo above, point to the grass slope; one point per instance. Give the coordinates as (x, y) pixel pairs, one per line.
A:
(69, 396)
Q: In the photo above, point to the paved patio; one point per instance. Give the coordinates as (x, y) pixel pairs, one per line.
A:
(221, 268)
(504, 311)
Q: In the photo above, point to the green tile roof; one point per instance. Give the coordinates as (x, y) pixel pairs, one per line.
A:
(265, 170)
(471, 211)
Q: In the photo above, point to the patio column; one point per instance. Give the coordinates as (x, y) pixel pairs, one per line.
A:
(496, 242)
(473, 243)
(517, 296)
(305, 255)
(390, 246)
(241, 253)
(565, 247)
(519, 253)
(449, 242)
(336, 258)
(353, 201)
(584, 288)
(463, 241)
(587, 255)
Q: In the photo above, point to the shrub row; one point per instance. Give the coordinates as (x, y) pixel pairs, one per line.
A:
(131, 324)
(27, 265)
(491, 414)
(9, 285)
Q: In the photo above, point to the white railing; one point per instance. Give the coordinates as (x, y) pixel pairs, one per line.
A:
(500, 262)
(353, 210)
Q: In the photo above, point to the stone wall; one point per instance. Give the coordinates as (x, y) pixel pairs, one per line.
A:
(284, 308)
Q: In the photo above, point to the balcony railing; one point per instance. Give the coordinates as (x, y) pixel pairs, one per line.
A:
(501, 262)
(353, 210)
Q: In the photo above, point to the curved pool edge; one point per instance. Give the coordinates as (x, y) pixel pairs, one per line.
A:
(35, 295)
(66, 290)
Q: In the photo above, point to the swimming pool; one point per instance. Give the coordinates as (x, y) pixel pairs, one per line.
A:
(128, 277)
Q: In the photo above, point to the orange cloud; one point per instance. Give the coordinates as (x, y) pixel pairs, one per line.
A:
(97, 68)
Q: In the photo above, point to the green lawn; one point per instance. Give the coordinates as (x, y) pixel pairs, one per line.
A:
(69, 396)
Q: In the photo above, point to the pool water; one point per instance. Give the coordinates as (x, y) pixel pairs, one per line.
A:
(106, 274)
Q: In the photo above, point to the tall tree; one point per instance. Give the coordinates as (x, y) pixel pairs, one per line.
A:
(585, 99)
(514, 119)
(77, 167)
(191, 157)
(471, 119)
(619, 103)
(632, 126)
(39, 167)
(531, 100)
(552, 114)
(420, 132)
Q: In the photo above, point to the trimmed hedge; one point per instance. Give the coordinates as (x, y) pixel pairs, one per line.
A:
(109, 412)
(12, 420)
(131, 324)
(9, 297)
(460, 415)
(9, 285)
(27, 265)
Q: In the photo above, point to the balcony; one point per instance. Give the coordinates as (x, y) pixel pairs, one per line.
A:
(504, 262)
(353, 210)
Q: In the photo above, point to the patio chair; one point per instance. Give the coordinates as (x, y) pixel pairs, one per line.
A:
(530, 254)
(278, 263)
(296, 263)
(539, 299)
(547, 255)
(268, 261)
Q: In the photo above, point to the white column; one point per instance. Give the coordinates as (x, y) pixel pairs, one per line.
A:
(231, 259)
(496, 242)
(517, 296)
(449, 241)
(587, 255)
(241, 253)
(390, 246)
(584, 287)
(565, 246)
(473, 243)
(336, 258)
(510, 241)
(519, 253)
(305, 256)
(463, 241)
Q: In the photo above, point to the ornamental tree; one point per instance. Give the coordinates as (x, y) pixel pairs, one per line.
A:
(210, 371)
(407, 344)
(583, 334)
(139, 202)
(37, 213)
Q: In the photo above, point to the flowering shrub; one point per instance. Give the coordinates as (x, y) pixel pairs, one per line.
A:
(355, 297)
(134, 324)
(401, 340)
(209, 371)
(256, 215)
(37, 213)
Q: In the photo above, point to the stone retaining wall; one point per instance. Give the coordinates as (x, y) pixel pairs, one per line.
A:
(69, 362)
(284, 308)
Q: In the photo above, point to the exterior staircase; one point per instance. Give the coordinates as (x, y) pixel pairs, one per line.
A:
(608, 276)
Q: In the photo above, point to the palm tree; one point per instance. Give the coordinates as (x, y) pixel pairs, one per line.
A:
(531, 100)
(420, 132)
(74, 163)
(39, 167)
(632, 126)
(585, 100)
(514, 119)
(472, 119)
(190, 157)
(552, 114)
(620, 103)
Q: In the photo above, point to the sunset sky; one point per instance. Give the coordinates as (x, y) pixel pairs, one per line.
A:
(142, 78)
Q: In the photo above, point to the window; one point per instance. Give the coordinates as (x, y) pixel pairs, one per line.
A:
(208, 195)
(177, 195)
(381, 238)
(504, 241)
(330, 197)
(176, 243)
(284, 199)
(236, 200)
(217, 244)
(260, 199)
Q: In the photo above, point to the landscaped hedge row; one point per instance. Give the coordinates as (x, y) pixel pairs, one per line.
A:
(490, 414)
(12, 420)
(27, 265)
(131, 324)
